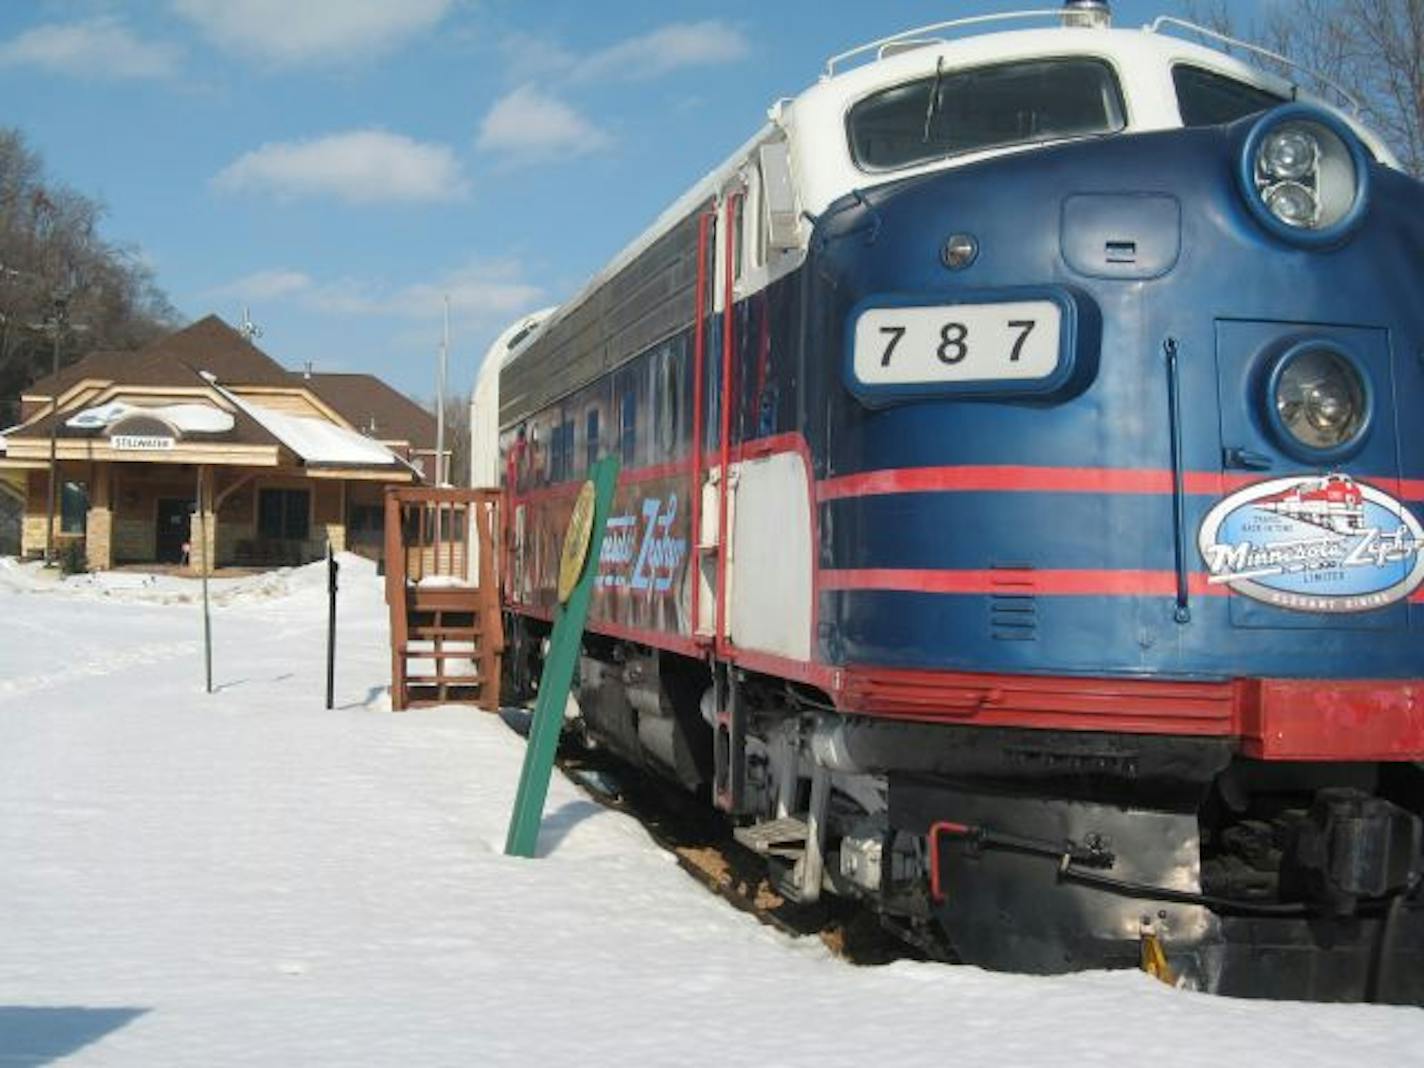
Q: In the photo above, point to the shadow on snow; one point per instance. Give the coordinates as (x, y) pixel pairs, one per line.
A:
(33, 1035)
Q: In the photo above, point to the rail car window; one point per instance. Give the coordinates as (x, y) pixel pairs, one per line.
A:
(739, 240)
(564, 451)
(667, 397)
(1205, 98)
(628, 419)
(955, 112)
(590, 440)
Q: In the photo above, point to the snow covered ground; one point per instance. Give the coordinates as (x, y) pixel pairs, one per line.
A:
(248, 879)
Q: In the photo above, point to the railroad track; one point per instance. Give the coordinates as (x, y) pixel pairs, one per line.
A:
(701, 840)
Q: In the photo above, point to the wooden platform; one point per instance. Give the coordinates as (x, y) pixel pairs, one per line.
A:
(443, 594)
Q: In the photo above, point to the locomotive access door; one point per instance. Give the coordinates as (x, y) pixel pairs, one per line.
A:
(1306, 541)
(755, 575)
(712, 399)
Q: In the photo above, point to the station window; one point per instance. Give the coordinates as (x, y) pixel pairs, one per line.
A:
(284, 514)
(1206, 98)
(368, 519)
(73, 507)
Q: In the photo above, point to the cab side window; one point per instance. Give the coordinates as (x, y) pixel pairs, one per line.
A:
(1206, 98)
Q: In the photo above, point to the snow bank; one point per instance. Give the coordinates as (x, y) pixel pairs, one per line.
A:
(248, 879)
(188, 418)
(138, 587)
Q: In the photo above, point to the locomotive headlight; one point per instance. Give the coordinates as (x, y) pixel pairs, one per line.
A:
(1305, 175)
(1290, 152)
(1293, 203)
(1321, 400)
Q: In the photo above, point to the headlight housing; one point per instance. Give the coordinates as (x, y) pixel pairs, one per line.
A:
(1305, 175)
(1319, 402)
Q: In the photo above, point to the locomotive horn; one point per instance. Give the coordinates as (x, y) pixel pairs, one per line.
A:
(1087, 14)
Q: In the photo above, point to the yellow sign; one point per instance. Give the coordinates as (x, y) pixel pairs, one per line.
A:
(576, 540)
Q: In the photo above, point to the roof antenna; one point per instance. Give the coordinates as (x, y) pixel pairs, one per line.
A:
(247, 328)
(308, 370)
(1087, 14)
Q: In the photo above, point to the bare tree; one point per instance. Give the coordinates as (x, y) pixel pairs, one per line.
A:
(51, 248)
(1374, 49)
(457, 436)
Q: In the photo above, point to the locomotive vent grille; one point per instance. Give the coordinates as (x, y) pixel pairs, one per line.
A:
(1013, 602)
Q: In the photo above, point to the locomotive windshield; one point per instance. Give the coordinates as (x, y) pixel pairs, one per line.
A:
(951, 113)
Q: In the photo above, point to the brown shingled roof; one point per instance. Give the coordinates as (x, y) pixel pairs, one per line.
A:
(362, 399)
(207, 345)
(211, 345)
(107, 364)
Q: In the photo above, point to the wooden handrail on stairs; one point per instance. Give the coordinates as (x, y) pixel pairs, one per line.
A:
(442, 590)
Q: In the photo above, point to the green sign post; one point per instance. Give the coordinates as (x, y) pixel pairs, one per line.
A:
(582, 543)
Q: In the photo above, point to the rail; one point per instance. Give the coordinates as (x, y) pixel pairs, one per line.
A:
(917, 36)
(1161, 21)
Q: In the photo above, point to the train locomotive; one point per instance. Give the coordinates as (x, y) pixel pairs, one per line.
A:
(1019, 518)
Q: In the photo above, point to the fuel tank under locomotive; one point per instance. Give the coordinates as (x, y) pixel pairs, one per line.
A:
(645, 706)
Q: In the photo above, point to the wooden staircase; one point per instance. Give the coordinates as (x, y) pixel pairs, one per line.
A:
(443, 596)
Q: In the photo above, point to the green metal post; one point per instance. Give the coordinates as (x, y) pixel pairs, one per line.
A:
(557, 678)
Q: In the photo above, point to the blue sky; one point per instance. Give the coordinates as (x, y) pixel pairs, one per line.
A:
(340, 165)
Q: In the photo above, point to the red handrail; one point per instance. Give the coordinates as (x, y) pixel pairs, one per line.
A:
(699, 347)
(728, 352)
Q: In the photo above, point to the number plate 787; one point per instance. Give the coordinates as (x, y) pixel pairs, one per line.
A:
(957, 343)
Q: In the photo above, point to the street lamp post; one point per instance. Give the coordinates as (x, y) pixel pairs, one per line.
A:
(57, 319)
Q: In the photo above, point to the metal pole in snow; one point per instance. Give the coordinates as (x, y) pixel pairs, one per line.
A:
(56, 324)
(440, 473)
(332, 567)
(203, 569)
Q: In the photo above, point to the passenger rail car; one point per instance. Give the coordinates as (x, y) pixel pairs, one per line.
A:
(1019, 525)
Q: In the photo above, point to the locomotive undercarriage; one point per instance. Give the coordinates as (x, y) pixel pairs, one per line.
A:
(1043, 851)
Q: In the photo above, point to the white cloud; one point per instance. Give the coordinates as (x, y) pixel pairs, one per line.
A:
(661, 51)
(527, 125)
(95, 48)
(478, 291)
(301, 31)
(359, 166)
(482, 291)
(650, 55)
(264, 285)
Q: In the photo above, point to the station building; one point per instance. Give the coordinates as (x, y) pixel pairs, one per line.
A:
(282, 461)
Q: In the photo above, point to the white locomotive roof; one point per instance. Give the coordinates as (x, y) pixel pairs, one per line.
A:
(814, 121)
(1143, 60)
(484, 398)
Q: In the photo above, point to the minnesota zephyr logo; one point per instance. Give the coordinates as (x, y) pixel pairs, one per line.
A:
(1316, 544)
(647, 563)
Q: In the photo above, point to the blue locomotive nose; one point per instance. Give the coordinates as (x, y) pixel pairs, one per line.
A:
(1211, 472)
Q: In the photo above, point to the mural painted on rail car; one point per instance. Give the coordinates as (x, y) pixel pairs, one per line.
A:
(642, 412)
(642, 578)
